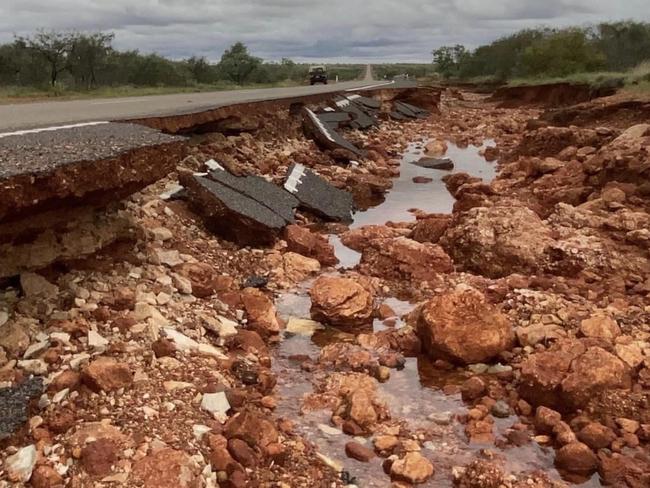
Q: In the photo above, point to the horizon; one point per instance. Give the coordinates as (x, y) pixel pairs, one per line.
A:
(278, 29)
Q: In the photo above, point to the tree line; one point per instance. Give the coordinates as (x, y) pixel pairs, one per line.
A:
(85, 61)
(548, 53)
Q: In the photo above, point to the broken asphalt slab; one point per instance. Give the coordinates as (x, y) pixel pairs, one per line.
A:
(262, 191)
(325, 136)
(318, 195)
(232, 214)
(361, 119)
(410, 111)
(435, 163)
(14, 405)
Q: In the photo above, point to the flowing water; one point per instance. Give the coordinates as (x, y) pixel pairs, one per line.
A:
(414, 393)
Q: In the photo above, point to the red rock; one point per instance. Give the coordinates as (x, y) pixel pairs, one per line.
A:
(422, 179)
(61, 421)
(498, 241)
(252, 428)
(166, 468)
(576, 458)
(461, 326)
(302, 241)
(242, 452)
(359, 239)
(350, 427)
(384, 311)
(592, 373)
(412, 468)
(219, 457)
(66, 379)
(596, 435)
(205, 280)
(483, 474)
(123, 299)
(46, 477)
(404, 258)
(356, 451)
(473, 389)
(261, 312)
(600, 326)
(341, 301)
(107, 374)
(546, 420)
(430, 229)
(163, 348)
(621, 470)
(360, 409)
(98, 457)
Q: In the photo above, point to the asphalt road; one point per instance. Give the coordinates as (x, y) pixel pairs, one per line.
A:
(23, 116)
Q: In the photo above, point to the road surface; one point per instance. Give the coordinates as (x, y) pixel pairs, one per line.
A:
(22, 116)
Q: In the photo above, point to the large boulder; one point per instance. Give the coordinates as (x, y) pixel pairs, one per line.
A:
(341, 301)
(463, 327)
(360, 238)
(498, 241)
(570, 375)
(404, 258)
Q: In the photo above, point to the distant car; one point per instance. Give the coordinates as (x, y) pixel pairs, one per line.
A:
(317, 74)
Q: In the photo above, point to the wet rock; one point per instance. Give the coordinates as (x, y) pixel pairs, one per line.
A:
(422, 179)
(302, 241)
(412, 468)
(19, 466)
(219, 457)
(546, 419)
(436, 148)
(403, 258)
(501, 410)
(497, 241)
(596, 435)
(385, 443)
(261, 312)
(454, 182)
(570, 375)
(430, 229)
(296, 267)
(107, 374)
(166, 468)
(316, 194)
(361, 410)
(204, 279)
(576, 458)
(360, 238)
(463, 327)
(435, 163)
(359, 452)
(341, 301)
(473, 389)
(14, 405)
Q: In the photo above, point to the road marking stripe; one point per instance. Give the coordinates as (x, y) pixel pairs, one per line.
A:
(294, 178)
(372, 86)
(49, 129)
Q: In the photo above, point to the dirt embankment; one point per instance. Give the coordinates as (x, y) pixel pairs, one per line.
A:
(547, 95)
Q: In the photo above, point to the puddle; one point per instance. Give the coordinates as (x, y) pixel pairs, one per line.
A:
(414, 393)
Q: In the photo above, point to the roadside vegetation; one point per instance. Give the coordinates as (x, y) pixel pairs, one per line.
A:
(615, 53)
(73, 64)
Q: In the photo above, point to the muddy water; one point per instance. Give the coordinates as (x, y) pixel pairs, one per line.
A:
(413, 394)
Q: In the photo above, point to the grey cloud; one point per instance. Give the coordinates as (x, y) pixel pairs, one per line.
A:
(346, 30)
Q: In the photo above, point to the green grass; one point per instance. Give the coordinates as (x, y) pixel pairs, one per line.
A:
(14, 94)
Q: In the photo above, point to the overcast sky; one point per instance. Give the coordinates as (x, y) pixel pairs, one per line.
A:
(309, 30)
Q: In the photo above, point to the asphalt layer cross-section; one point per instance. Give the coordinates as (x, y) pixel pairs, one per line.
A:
(40, 152)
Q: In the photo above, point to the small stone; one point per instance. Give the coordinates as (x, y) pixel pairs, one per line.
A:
(96, 341)
(359, 452)
(326, 429)
(412, 468)
(20, 465)
(441, 418)
(215, 403)
(107, 374)
(628, 425)
(501, 410)
(576, 458)
(385, 442)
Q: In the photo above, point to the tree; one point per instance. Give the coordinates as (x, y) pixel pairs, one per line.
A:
(88, 53)
(448, 59)
(201, 70)
(54, 47)
(237, 64)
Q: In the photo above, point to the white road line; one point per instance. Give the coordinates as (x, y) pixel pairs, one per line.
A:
(130, 100)
(372, 86)
(294, 178)
(49, 129)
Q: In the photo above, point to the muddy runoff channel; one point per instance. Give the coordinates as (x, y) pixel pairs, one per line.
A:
(419, 396)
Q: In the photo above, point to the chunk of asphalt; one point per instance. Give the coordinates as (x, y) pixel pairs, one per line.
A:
(325, 135)
(367, 102)
(318, 195)
(435, 163)
(360, 118)
(334, 119)
(410, 111)
(264, 192)
(232, 214)
(14, 405)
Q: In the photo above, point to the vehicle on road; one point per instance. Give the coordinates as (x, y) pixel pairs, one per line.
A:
(317, 74)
